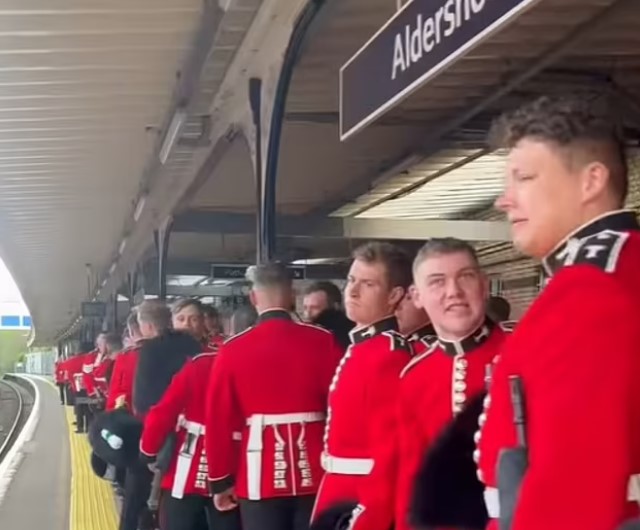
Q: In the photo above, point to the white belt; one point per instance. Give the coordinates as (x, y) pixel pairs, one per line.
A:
(77, 379)
(185, 457)
(256, 423)
(492, 499)
(192, 427)
(346, 466)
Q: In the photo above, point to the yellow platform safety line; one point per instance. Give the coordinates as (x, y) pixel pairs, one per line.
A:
(92, 501)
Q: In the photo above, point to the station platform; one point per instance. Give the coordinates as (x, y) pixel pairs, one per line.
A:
(49, 484)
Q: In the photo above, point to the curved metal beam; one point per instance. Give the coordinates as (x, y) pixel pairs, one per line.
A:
(267, 224)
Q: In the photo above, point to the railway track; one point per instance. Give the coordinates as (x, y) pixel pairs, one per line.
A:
(16, 402)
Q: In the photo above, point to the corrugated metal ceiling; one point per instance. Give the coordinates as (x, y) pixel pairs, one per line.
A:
(82, 87)
(447, 194)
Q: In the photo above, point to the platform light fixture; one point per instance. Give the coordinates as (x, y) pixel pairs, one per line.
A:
(123, 245)
(112, 268)
(177, 122)
(142, 201)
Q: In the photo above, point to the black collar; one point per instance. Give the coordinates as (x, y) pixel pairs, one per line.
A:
(470, 342)
(274, 314)
(362, 334)
(426, 333)
(619, 221)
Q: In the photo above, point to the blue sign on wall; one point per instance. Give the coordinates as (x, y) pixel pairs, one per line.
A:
(15, 322)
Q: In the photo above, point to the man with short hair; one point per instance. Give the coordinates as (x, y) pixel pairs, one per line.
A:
(575, 352)
(124, 368)
(360, 432)
(319, 297)
(187, 314)
(271, 383)
(444, 377)
(162, 354)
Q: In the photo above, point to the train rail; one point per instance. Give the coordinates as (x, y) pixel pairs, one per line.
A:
(16, 403)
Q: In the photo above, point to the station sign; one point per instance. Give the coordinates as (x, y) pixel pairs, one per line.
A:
(422, 39)
(238, 272)
(94, 309)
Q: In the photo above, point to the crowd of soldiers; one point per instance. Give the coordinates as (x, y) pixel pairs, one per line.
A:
(404, 402)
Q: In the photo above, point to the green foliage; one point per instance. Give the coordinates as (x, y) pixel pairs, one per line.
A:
(13, 346)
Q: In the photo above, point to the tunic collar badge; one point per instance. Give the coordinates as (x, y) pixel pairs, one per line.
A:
(564, 254)
(426, 334)
(362, 334)
(470, 342)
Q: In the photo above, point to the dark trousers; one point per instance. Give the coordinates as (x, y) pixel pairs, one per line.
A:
(68, 395)
(63, 394)
(194, 512)
(137, 487)
(83, 414)
(281, 513)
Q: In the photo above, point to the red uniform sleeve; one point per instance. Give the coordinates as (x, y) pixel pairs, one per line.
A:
(115, 385)
(162, 418)
(377, 493)
(223, 417)
(580, 409)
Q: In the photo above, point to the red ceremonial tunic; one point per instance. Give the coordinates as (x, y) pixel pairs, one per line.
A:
(272, 382)
(360, 432)
(577, 352)
(96, 382)
(182, 409)
(120, 391)
(59, 372)
(379, 510)
(434, 387)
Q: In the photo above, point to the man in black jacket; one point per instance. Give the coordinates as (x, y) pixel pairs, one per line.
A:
(163, 353)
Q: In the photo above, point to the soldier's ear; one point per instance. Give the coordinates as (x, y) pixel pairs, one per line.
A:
(396, 296)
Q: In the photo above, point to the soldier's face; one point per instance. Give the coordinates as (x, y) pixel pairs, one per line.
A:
(190, 320)
(453, 292)
(410, 314)
(368, 296)
(543, 197)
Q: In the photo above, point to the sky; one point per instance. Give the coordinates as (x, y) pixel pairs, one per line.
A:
(9, 292)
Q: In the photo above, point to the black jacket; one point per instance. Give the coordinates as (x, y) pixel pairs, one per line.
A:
(159, 360)
(337, 323)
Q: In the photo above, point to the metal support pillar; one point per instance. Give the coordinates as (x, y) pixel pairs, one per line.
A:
(114, 313)
(162, 237)
(255, 101)
(267, 182)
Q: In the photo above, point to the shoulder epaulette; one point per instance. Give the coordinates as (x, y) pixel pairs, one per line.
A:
(601, 250)
(233, 337)
(415, 360)
(508, 326)
(204, 354)
(397, 341)
(313, 326)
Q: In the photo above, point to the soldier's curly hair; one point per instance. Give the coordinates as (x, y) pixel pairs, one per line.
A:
(584, 126)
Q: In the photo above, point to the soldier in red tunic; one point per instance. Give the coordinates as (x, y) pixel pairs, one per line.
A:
(447, 370)
(59, 378)
(97, 382)
(185, 489)
(213, 327)
(571, 366)
(120, 392)
(360, 432)
(271, 382)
